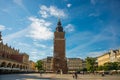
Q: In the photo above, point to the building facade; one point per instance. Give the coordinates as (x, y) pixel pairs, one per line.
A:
(32, 67)
(48, 64)
(11, 59)
(75, 64)
(111, 56)
(103, 59)
(59, 57)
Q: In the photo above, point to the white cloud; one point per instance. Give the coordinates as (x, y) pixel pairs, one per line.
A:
(9, 28)
(15, 35)
(51, 11)
(39, 29)
(93, 14)
(95, 53)
(5, 10)
(34, 53)
(21, 5)
(2, 27)
(37, 54)
(69, 28)
(66, 0)
(22, 44)
(39, 45)
(51, 47)
(42, 45)
(92, 38)
(83, 36)
(69, 5)
(93, 2)
(19, 2)
(44, 11)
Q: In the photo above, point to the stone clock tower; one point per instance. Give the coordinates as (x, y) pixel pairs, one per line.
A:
(59, 59)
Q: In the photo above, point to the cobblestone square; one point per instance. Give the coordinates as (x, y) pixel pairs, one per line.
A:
(57, 77)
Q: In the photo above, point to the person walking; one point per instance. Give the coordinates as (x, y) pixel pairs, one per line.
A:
(40, 74)
(73, 75)
(76, 75)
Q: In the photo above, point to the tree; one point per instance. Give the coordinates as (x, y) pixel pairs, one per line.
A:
(39, 65)
(91, 64)
(111, 66)
(100, 68)
(115, 65)
(119, 66)
(84, 69)
(107, 66)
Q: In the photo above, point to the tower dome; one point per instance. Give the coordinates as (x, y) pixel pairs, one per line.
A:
(59, 28)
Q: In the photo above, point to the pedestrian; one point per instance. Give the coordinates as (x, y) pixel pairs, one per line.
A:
(76, 75)
(73, 76)
(40, 73)
(103, 74)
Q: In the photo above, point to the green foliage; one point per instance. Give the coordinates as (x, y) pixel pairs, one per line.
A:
(90, 64)
(39, 65)
(111, 66)
(84, 69)
(118, 65)
(100, 68)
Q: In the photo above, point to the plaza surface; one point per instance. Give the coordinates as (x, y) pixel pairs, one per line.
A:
(57, 77)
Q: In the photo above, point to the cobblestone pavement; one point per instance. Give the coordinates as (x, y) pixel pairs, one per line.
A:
(56, 77)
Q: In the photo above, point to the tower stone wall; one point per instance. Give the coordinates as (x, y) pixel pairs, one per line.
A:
(59, 57)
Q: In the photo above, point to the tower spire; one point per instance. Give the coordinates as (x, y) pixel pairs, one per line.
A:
(59, 22)
(59, 27)
(0, 37)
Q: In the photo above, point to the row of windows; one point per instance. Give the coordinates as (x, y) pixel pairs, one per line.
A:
(74, 64)
(5, 55)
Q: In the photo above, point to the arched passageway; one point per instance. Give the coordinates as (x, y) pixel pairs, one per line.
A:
(9, 65)
(3, 64)
(13, 66)
(17, 66)
(20, 66)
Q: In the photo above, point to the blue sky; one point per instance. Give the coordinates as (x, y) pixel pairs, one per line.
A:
(92, 26)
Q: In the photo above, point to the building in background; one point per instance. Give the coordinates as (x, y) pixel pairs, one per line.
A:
(48, 64)
(32, 67)
(111, 56)
(103, 59)
(75, 64)
(114, 55)
(11, 60)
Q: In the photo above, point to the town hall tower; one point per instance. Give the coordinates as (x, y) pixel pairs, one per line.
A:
(59, 57)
